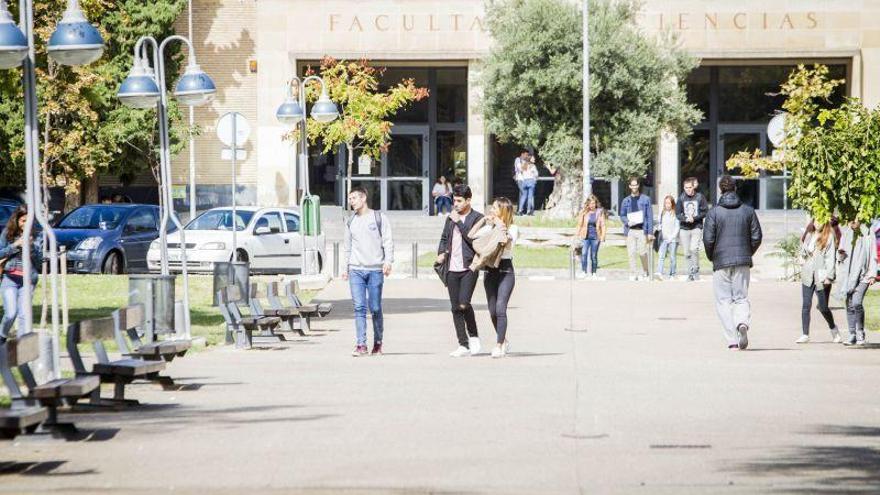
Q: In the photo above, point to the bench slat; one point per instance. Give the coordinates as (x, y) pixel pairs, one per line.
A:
(129, 367)
(22, 418)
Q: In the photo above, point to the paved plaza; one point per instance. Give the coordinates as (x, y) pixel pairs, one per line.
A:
(647, 400)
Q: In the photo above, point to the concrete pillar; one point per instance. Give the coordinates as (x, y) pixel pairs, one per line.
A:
(870, 77)
(666, 172)
(477, 140)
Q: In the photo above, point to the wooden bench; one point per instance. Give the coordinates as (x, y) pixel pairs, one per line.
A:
(289, 316)
(128, 322)
(292, 300)
(24, 415)
(239, 328)
(120, 372)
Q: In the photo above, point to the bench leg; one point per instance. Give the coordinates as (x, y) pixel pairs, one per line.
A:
(166, 382)
(267, 335)
(243, 338)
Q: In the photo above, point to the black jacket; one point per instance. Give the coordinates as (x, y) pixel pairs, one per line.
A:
(702, 208)
(467, 247)
(732, 233)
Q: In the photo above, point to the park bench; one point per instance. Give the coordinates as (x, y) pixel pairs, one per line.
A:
(288, 316)
(242, 327)
(127, 320)
(120, 372)
(21, 352)
(23, 415)
(306, 311)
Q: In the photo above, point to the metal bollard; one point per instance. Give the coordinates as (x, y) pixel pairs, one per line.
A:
(65, 312)
(415, 260)
(335, 259)
(571, 263)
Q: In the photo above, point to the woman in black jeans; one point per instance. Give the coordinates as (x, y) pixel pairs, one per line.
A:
(818, 250)
(499, 281)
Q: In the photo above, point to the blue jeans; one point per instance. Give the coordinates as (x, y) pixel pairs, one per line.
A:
(527, 196)
(591, 249)
(366, 288)
(671, 247)
(13, 301)
(443, 204)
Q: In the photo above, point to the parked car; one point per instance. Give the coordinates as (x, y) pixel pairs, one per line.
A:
(269, 238)
(108, 238)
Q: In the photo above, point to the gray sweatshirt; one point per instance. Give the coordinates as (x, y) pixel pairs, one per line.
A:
(365, 248)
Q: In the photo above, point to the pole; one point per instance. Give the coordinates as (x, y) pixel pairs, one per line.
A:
(234, 150)
(571, 277)
(304, 175)
(192, 141)
(588, 185)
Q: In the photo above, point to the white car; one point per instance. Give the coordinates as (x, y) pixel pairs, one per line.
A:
(269, 238)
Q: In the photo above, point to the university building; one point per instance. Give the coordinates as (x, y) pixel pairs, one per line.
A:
(253, 47)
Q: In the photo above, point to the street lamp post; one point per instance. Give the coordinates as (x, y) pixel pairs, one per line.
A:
(588, 184)
(145, 87)
(292, 112)
(74, 42)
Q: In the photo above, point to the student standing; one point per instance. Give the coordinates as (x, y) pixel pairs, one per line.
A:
(457, 249)
(857, 271)
(818, 251)
(529, 174)
(669, 231)
(691, 211)
(369, 253)
(732, 236)
(591, 231)
(638, 222)
(518, 178)
(12, 241)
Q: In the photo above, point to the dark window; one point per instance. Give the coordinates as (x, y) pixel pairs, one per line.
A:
(452, 155)
(694, 155)
(142, 221)
(451, 95)
(93, 217)
(292, 222)
(416, 112)
(220, 220)
(697, 87)
(322, 173)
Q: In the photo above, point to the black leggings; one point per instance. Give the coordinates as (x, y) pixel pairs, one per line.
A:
(499, 284)
(461, 287)
(822, 296)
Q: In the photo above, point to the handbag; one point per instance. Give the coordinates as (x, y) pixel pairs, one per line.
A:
(442, 269)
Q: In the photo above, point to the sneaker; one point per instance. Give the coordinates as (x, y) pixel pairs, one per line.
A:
(860, 343)
(462, 351)
(474, 345)
(733, 347)
(377, 349)
(360, 350)
(743, 330)
(835, 335)
(506, 346)
(633, 278)
(658, 276)
(850, 342)
(497, 352)
(581, 276)
(803, 339)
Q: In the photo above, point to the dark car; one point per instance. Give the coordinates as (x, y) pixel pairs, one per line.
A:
(7, 207)
(110, 238)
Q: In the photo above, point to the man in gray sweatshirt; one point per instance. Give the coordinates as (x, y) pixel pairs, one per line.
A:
(369, 253)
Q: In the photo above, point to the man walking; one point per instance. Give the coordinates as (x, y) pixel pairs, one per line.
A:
(369, 253)
(732, 234)
(691, 210)
(638, 221)
(457, 250)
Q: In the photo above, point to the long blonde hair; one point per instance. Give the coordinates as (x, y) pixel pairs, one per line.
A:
(825, 234)
(505, 210)
(590, 199)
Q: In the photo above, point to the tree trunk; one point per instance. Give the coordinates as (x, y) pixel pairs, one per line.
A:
(350, 159)
(90, 189)
(565, 201)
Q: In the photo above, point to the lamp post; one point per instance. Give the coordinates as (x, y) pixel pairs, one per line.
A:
(588, 184)
(292, 112)
(145, 87)
(74, 42)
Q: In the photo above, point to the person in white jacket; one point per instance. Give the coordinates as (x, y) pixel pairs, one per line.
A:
(669, 229)
(817, 273)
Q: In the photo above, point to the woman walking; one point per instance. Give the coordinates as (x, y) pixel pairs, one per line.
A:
(818, 250)
(499, 282)
(12, 284)
(857, 271)
(591, 232)
(669, 229)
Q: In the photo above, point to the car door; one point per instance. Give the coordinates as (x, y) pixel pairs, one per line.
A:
(268, 243)
(294, 242)
(140, 229)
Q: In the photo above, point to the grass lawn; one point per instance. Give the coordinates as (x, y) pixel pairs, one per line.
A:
(872, 310)
(539, 220)
(610, 257)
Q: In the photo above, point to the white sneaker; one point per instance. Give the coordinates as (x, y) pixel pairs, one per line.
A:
(803, 339)
(581, 276)
(835, 335)
(497, 352)
(474, 344)
(506, 346)
(633, 278)
(462, 351)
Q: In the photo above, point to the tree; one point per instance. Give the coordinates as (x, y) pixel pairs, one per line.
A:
(84, 129)
(363, 122)
(833, 153)
(532, 84)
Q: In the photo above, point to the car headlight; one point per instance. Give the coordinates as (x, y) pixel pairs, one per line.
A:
(89, 244)
(154, 244)
(213, 245)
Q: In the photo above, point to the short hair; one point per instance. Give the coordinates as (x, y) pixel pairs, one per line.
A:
(638, 181)
(359, 189)
(462, 191)
(726, 184)
(690, 180)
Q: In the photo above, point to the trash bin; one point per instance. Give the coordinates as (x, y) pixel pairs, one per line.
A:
(311, 214)
(156, 293)
(232, 273)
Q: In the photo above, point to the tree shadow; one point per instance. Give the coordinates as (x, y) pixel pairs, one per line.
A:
(44, 468)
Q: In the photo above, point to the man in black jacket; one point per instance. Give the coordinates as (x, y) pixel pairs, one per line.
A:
(457, 251)
(690, 210)
(732, 235)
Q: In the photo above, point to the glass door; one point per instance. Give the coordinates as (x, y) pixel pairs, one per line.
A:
(733, 139)
(405, 174)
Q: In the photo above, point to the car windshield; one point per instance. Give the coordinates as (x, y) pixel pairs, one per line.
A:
(220, 220)
(93, 217)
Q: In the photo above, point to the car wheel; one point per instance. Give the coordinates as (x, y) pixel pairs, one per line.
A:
(241, 255)
(112, 264)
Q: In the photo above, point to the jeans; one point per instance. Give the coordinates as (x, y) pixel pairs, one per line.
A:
(461, 287)
(669, 247)
(637, 249)
(366, 288)
(731, 287)
(691, 241)
(13, 301)
(443, 204)
(590, 248)
(527, 196)
(822, 296)
(855, 312)
(499, 284)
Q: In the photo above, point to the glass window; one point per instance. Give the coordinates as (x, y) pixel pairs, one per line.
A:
(220, 220)
(141, 221)
(322, 173)
(292, 222)
(452, 155)
(694, 156)
(451, 95)
(271, 220)
(416, 111)
(93, 217)
(405, 155)
(697, 88)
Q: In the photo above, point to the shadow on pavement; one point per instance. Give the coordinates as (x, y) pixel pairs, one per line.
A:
(45, 468)
(826, 469)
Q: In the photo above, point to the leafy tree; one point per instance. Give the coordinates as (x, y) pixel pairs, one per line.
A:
(833, 153)
(533, 88)
(363, 122)
(84, 128)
